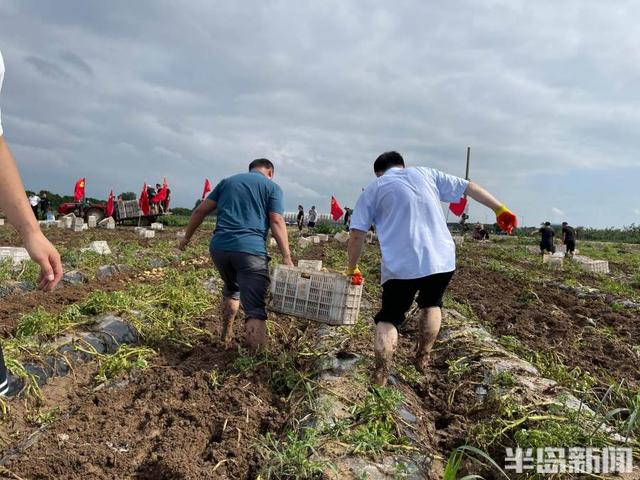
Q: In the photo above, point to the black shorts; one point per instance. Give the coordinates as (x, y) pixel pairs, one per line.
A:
(547, 247)
(311, 224)
(246, 278)
(4, 384)
(571, 245)
(398, 296)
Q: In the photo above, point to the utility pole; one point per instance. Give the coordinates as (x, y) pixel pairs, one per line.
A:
(465, 215)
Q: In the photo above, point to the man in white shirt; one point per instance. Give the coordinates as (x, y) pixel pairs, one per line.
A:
(313, 215)
(15, 205)
(34, 201)
(418, 252)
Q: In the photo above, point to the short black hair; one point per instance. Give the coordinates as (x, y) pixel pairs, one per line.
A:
(387, 160)
(547, 224)
(261, 162)
(564, 223)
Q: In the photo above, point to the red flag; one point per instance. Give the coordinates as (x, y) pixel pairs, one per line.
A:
(207, 188)
(78, 191)
(336, 209)
(143, 202)
(109, 209)
(458, 208)
(161, 196)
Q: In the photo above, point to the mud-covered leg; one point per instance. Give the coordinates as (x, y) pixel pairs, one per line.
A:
(256, 334)
(429, 320)
(385, 346)
(230, 308)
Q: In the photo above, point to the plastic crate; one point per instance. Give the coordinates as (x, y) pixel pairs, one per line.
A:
(128, 209)
(591, 265)
(322, 296)
(16, 254)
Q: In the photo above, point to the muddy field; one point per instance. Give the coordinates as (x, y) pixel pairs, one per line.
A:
(177, 404)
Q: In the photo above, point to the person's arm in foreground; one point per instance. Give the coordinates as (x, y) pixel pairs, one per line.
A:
(504, 217)
(201, 212)
(354, 248)
(19, 213)
(279, 232)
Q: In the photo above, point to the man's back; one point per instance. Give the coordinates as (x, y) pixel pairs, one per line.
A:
(569, 233)
(404, 205)
(244, 202)
(547, 234)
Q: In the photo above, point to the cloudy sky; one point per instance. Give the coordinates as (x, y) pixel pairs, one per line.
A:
(545, 93)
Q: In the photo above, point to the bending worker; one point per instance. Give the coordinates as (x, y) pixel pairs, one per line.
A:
(248, 204)
(19, 213)
(418, 253)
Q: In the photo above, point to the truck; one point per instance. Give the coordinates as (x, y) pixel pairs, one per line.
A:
(124, 210)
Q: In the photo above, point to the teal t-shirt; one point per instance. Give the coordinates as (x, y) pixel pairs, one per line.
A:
(244, 203)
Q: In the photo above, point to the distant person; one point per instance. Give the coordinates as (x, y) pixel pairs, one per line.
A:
(300, 217)
(313, 216)
(547, 236)
(248, 205)
(347, 218)
(569, 237)
(45, 204)
(479, 233)
(418, 252)
(34, 201)
(165, 202)
(16, 207)
(159, 203)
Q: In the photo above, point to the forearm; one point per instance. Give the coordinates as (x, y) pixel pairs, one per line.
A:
(482, 196)
(356, 244)
(196, 219)
(279, 232)
(13, 199)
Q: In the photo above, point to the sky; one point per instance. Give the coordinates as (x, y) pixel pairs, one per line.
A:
(545, 93)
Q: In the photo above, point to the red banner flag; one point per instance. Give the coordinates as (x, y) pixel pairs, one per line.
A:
(458, 208)
(143, 202)
(207, 188)
(109, 209)
(78, 191)
(336, 209)
(161, 196)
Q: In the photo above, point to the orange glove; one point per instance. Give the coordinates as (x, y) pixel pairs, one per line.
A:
(356, 275)
(506, 219)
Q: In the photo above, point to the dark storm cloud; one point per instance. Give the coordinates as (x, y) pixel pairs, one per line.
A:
(127, 92)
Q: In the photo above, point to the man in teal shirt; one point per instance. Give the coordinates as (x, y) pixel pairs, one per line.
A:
(248, 204)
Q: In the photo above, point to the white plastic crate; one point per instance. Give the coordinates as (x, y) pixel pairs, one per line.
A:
(553, 261)
(16, 254)
(315, 265)
(591, 265)
(322, 296)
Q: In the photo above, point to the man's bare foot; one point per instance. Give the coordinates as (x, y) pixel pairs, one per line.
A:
(381, 372)
(422, 362)
(227, 333)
